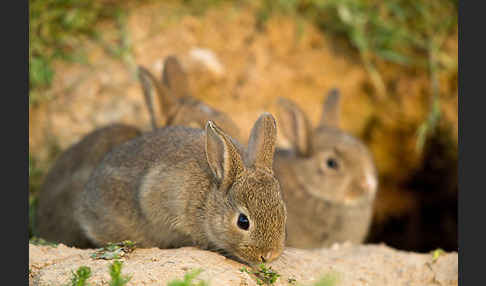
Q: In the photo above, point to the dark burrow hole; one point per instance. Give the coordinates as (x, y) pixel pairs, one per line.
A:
(434, 186)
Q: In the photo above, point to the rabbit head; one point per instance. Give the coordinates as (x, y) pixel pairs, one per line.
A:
(177, 105)
(334, 165)
(246, 215)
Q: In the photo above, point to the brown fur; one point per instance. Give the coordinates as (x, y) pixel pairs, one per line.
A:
(177, 105)
(71, 172)
(179, 186)
(66, 179)
(325, 205)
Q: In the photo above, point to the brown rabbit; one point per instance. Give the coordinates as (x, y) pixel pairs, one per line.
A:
(64, 182)
(71, 171)
(179, 186)
(177, 105)
(328, 178)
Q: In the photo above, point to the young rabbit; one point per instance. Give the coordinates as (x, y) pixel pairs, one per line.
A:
(65, 181)
(179, 186)
(328, 178)
(71, 171)
(177, 105)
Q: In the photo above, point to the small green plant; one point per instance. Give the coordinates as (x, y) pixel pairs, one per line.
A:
(116, 277)
(327, 280)
(437, 253)
(40, 241)
(114, 250)
(188, 279)
(263, 275)
(80, 277)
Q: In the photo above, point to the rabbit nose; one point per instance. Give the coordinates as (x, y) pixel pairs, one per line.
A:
(368, 183)
(270, 256)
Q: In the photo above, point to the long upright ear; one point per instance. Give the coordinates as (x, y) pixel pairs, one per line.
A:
(295, 126)
(222, 155)
(331, 109)
(175, 78)
(261, 145)
(167, 103)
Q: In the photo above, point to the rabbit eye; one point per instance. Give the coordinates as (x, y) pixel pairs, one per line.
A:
(332, 163)
(243, 222)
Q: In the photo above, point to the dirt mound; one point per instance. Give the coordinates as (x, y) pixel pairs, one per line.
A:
(347, 264)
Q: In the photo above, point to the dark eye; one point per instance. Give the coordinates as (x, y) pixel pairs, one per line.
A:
(332, 163)
(243, 222)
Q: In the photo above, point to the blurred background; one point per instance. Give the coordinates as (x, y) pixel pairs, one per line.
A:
(395, 63)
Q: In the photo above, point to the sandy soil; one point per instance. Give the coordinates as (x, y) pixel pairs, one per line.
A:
(350, 264)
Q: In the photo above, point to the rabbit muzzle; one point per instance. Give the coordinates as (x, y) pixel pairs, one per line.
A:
(271, 255)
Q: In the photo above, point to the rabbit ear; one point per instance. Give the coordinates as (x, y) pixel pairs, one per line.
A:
(222, 155)
(261, 145)
(331, 109)
(175, 78)
(295, 126)
(166, 102)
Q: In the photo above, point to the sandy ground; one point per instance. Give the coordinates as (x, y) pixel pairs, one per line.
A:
(350, 264)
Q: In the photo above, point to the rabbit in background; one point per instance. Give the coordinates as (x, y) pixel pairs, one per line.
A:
(176, 103)
(328, 178)
(180, 186)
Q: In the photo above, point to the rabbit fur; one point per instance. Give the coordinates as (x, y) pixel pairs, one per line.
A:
(177, 105)
(180, 186)
(64, 182)
(328, 178)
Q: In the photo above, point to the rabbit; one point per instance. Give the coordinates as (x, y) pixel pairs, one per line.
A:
(71, 171)
(180, 186)
(177, 105)
(64, 182)
(328, 178)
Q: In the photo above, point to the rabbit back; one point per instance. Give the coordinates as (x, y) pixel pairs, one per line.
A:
(65, 181)
(144, 189)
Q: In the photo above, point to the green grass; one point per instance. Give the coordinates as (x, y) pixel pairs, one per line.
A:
(117, 279)
(264, 275)
(81, 276)
(83, 273)
(267, 276)
(188, 280)
(114, 250)
(40, 241)
(56, 30)
(327, 280)
(404, 32)
(398, 31)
